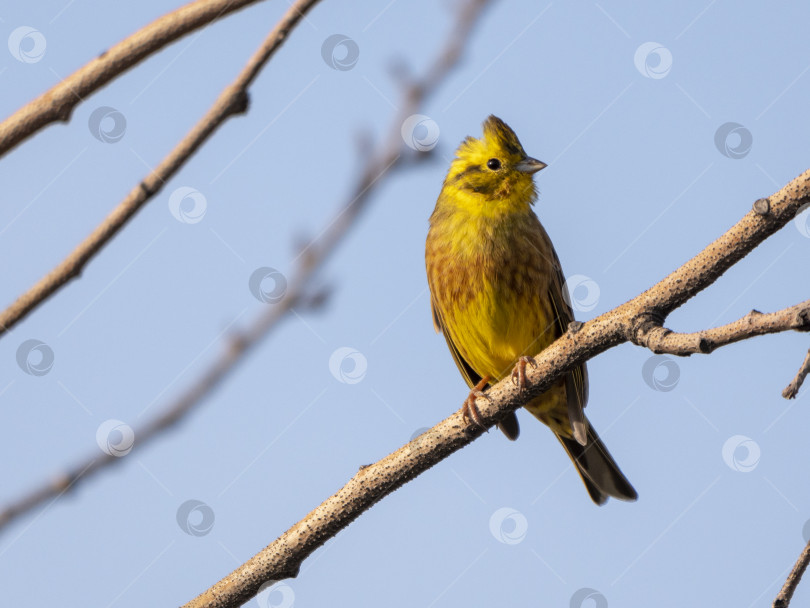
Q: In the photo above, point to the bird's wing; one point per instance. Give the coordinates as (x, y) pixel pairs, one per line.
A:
(509, 424)
(576, 382)
(470, 377)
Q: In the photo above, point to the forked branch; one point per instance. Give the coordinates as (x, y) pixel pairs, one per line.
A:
(640, 321)
(381, 164)
(232, 100)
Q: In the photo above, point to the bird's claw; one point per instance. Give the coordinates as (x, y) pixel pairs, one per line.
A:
(519, 372)
(469, 410)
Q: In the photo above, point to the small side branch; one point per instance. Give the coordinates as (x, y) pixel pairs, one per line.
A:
(783, 599)
(662, 340)
(795, 384)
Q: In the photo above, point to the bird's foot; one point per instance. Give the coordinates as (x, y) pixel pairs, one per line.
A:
(519, 373)
(470, 410)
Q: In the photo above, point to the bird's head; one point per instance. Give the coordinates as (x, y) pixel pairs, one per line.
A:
(494, 173)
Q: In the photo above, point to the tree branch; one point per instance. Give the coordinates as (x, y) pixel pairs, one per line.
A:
(58, 103)
(755, 323)
(378, 166)
(644, 314)
(232, 100)
(636, 320)
(783, 599)
(795, 384)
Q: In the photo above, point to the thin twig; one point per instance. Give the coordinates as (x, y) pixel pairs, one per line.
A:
(58, 103)
(783, 599)
(793, 388)
(755, 323)
(232, 100)
(377, 167)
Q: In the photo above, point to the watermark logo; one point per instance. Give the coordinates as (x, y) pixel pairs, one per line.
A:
(268, 285)
(593, 598)
(418, 438)
(733, 140)
(340, 52)
(107, 125)
(35, 357)
(581, 293)
(653, 60)
(348, 365)
(741, 453)
(661, 373)
(275, 595)
(802, 220)
(187, 205)
(115, 438)
(420, 133)
(195, 518)
(27, 44)
(508, 526)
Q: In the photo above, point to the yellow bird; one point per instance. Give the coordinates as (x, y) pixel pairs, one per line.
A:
(496, 290)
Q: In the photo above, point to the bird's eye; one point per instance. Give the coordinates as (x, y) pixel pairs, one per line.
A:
(494, 164)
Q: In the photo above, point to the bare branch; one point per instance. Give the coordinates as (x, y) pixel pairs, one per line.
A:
(646, 312)
(795, 384)
(636, 318)
(57, 103)
(378, 167)
(232, 100)
(755, 323)
(783, 599)
(768, 216)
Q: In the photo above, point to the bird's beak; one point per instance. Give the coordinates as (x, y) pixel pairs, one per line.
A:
(530, 165)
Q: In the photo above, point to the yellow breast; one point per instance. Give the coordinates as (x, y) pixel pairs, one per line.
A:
(490, 283)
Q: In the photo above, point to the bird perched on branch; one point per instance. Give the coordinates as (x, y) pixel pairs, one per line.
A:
(496, 290)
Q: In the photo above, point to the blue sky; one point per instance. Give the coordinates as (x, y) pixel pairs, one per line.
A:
(629, 105)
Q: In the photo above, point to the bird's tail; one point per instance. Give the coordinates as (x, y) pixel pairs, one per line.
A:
(598, 470)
